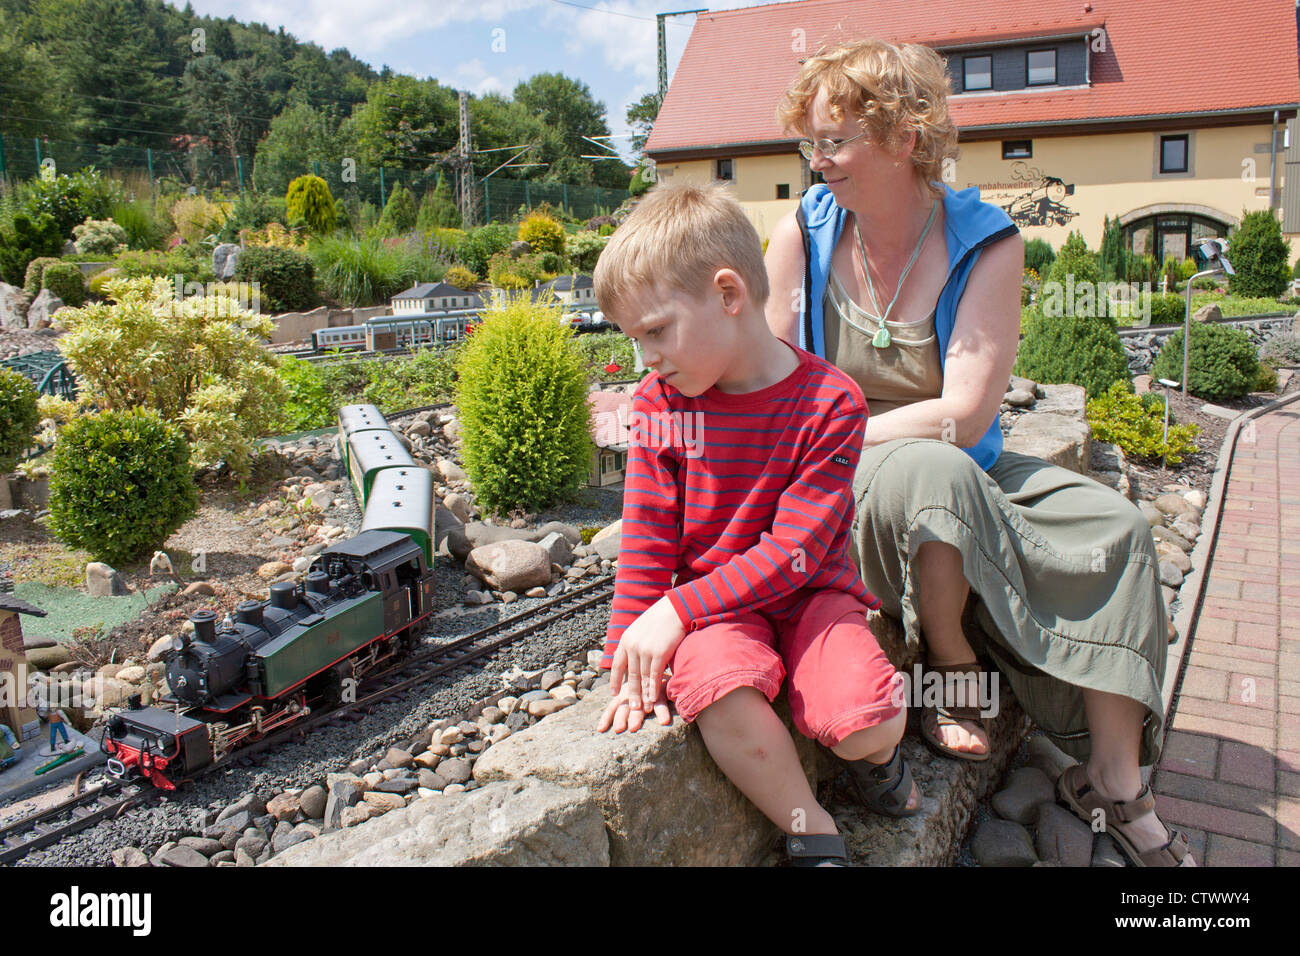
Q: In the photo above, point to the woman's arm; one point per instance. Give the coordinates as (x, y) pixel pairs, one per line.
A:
(981, 352)
(785, 265)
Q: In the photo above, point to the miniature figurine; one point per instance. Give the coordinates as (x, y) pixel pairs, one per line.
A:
(8, 745)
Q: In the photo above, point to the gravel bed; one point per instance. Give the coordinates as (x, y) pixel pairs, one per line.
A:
(331, 749)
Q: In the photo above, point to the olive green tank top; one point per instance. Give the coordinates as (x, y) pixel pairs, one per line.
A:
(907, 371)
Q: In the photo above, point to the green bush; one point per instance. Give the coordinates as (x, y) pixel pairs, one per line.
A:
(1259, 256)
(1221, 364)
(253, 210)
(1137, 426)
(185, 261)
(1265, 379)
(197, 362)
(120, 483)
(1282, 349)
(642, 181)
(524, 414)
(309, 404)
(1080, 350)
(18, 418)
(26, 239)
(1295, 270)
(399, 213)
(1168, 309)
(1075, 259)
(1155, 400)
(361, 272)
(426, 378)
(584, 249)
(65, 280)
(308, 198)
(100, 237)
(482, 244)
(70, 200)
(287, 278)
(1039, 256)
(35, 270)
(460, 277)
(543, 234)
(1186, 269)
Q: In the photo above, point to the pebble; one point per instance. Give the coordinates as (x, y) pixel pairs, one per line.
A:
(1061, 837)
(564, 692)
(1003, 843)
(1019, 800)
(544, 708)
(398, 758)
(1196, 499)
(427, 760)
(1161, 533)
(384, 801)
(358, 814)
(428, 780)
(454, 770)
(537, 592)
(1170, 575)
(129, 856)
(373, 779)
(202, 844)
(1188, 527)
(532, 697)
(1172, 504)
(1019, 398)
(508, 705)
(454, 788)
(1174, 556)
(549, 680)
(451, 735)
(492, 715)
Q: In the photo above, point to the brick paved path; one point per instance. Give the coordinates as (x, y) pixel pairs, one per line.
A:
(1230, 772)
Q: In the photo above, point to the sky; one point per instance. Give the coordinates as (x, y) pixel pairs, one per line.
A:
(485, 46)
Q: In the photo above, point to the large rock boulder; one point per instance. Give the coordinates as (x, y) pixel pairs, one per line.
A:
(13, 307)
(461, 540)
(1069, 400)
(103, 581)
(1208, 313)
(511, 823)
(41, 312)
(225, 260)
(1058, 439)
(511, 565)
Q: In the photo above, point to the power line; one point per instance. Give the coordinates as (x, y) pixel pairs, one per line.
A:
(613, 13)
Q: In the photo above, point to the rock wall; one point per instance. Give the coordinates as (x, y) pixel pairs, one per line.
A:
(1141, 348)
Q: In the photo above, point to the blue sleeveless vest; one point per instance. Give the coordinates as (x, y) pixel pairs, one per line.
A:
(969, 225)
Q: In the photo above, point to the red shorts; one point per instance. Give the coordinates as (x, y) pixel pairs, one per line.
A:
(840, 679)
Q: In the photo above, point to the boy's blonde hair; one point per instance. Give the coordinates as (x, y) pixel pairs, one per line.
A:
(889, 91)
(681, 236)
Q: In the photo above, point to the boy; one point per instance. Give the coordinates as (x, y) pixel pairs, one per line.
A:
(739, 483)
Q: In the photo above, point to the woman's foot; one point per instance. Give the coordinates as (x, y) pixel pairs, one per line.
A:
(1141, 832)
(964, 736)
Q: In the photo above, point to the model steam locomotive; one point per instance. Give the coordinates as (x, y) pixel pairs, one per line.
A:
(360, 607)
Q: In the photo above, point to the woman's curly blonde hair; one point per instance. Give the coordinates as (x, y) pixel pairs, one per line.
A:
(891, 90)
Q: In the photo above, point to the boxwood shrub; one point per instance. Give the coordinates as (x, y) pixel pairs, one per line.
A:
(1222, 362)
(120, 483)
(286, 277)
(18, 417)
(65, 280)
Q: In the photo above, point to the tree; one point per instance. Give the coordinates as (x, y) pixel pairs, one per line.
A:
(1259, 255)
(227, 103)
(438, 210)
(309, 199)
(566, 108)
(299, 136)
(641, 117)
(399, 212)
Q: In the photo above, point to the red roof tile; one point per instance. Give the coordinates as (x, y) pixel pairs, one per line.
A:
(1162, 57)
(609, 417)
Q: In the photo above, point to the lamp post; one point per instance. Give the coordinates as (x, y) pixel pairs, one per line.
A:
(1164, 441)
(1215, 252)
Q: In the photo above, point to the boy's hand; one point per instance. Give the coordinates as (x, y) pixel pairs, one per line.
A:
(644, 650)
(622, 716)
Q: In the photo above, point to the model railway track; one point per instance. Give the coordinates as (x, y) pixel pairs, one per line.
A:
(47, 827)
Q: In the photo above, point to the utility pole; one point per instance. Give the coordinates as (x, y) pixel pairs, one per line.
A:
(465, 170)
(663, 48)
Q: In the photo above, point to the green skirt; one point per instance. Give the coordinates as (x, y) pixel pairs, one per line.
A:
(1065, 570)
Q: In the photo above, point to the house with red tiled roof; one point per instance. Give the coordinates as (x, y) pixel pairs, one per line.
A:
(1170, 115)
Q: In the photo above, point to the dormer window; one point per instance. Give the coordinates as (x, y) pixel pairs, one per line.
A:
(977, 73)
(1041, 67)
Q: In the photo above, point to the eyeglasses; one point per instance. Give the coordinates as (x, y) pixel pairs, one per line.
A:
(827, 147)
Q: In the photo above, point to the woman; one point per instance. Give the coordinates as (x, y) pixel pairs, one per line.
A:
(914, 290)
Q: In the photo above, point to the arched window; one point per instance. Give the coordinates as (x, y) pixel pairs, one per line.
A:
(1172, 234)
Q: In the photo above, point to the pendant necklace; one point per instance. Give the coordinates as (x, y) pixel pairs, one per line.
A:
(882, 338)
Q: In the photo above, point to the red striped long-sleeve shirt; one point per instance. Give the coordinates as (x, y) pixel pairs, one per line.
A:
(747, 499)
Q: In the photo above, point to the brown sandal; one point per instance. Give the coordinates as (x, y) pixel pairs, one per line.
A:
(1075, 792)
(935, 718)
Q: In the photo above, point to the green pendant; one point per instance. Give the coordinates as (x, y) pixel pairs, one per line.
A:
(881, 339)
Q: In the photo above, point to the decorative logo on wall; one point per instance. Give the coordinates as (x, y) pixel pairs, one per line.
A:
(1032, 198)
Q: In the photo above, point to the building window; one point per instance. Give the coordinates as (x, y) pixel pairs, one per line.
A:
(1173, 154)
(1041, 67)
(782, 190)
(978, 73)
(1017, 149)
(725, 171)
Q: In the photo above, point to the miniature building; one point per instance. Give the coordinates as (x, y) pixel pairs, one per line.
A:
(609, 414)
(571, 290)
(426, 297)
(20, 719)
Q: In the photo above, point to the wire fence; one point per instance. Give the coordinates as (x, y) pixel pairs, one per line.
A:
(494, 198)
